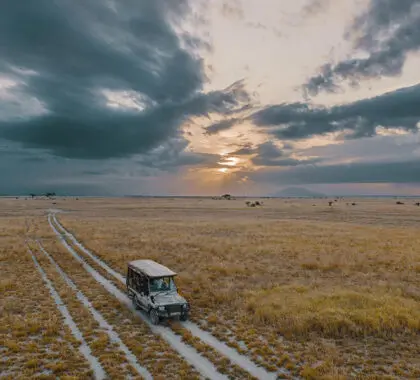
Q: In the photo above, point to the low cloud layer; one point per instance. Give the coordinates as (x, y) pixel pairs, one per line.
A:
(383, 172)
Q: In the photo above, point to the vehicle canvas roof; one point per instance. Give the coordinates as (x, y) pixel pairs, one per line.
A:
(151, 268)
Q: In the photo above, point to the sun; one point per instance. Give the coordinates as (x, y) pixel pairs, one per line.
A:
(228, 161)
(223, 170)
(231, 161)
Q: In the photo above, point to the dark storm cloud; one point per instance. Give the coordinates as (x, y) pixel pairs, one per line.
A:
(64, 54)
(383, 172)
(388, 31)
(397, 109)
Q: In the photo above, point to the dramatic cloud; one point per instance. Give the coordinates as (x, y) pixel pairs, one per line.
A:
(386, 33)
(397, 109)
(118, 96)
(106, 79)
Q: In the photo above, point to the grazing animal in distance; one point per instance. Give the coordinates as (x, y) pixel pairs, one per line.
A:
(399, 203)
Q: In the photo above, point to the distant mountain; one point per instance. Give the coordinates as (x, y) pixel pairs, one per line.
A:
(297, 192)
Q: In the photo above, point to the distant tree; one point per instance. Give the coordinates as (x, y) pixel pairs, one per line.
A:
(330, 203)
(417, 204)
(399, 203)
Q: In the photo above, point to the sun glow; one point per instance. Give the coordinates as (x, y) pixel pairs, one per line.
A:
(228, 161)
(223, 170)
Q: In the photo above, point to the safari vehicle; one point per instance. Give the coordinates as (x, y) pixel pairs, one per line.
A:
(152, 288)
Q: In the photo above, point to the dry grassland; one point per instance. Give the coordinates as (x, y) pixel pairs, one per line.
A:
(322, 291)
(150, 350)
(326, 292)
(34, 341)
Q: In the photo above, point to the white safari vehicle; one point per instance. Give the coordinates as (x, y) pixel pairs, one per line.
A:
(152, 288)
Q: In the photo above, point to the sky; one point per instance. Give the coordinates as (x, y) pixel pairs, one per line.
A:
(191, 97)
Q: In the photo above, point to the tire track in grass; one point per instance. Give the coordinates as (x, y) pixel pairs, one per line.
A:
(203, 366)
(113, 335)
(153, 352)
(84, 349)
(234, 356)
(222, 364)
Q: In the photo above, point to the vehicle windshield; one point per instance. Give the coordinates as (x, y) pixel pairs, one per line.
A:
(162, 284)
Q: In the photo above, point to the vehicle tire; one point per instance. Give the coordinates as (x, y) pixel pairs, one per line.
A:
(154, 317)
(184, 317)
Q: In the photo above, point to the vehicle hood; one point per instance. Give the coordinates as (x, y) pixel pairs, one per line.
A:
(168, 299)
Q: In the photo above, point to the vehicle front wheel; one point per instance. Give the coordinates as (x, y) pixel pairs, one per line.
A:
(183, 317)
(154, 317)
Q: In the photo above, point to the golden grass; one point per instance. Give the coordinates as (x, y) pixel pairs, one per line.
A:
(282, 278)
(32, 333)
(326, 292)
(151, 351)
(335, 312)
(111, 358)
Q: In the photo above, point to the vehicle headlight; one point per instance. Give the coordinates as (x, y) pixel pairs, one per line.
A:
(161, 308)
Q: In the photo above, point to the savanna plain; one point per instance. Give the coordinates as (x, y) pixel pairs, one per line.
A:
(299, 288)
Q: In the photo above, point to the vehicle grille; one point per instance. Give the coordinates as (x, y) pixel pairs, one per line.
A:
(173, 308)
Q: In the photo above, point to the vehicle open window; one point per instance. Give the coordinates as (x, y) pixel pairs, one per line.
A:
(140, 283)
(162, 284)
